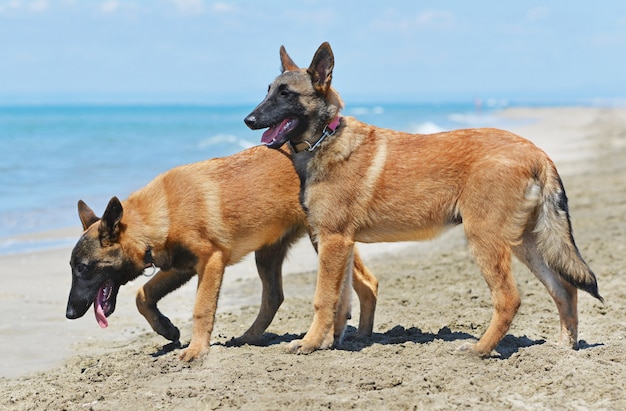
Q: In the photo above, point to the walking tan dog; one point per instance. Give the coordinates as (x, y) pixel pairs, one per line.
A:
(368, 184)
(199, 218)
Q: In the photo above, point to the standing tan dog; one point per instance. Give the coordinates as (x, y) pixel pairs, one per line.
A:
(364, 183)
(199, 218)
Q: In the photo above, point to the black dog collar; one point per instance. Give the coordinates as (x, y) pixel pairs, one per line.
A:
(329, 130)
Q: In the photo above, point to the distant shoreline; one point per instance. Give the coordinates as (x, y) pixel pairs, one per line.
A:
(40, 240)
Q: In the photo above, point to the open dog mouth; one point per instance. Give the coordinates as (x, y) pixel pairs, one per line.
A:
(103, 304)
(278, 134)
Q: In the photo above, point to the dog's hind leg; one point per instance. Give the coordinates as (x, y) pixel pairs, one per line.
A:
(366, 287)
(563, 293)
(269, 262)
(149, 295)
(493, 255)
(345, 301)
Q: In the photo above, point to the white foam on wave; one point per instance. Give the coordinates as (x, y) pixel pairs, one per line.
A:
(475, 120)
(425, 128)
(496, 103)
(363, 111)
(469, 119)
(221, 139)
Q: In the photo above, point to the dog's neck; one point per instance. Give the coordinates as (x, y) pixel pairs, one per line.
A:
(329, 130)
(145, 230)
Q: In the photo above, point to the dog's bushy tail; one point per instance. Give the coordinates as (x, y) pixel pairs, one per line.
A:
(553, 231)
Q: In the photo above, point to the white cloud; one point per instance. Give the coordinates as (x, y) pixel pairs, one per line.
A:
(38, 5)
(392, 20)
(537, 13)
(109, 6)
(223, 7)
(189, 6)
(436, 18)
(10, 6)
(35, 6)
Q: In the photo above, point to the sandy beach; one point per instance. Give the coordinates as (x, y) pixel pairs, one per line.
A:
(432, 298)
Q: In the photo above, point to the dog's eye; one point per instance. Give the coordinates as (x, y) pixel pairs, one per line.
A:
(81, 268)
(284, 93)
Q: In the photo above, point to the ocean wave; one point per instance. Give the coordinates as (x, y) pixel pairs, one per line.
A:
(474, 119)
(494, 103)
(364, 111)
(425, 128)
(224, 139)
(467, 118)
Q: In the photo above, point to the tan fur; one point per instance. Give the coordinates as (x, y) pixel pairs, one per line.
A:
(218, 211)
(370, 184)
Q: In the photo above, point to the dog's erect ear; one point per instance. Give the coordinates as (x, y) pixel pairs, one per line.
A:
(286, 62)
(109, 229)
(321, 68)
(86, 215)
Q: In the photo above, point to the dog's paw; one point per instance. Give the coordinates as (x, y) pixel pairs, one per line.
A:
(192, 353)
(567, 340)
(167, 329)
(472, 349)
(305, 347)
(297, 347)
(163, 326)
(465, 347)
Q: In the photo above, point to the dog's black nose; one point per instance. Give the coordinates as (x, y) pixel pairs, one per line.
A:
(76, 309)
(250, 120)
(70, 313)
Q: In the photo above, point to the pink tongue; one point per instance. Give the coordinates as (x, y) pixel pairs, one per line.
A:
(271, 133)
(100, 317)
(97, 308)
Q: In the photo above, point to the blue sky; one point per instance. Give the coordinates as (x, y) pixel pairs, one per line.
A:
(212, 51)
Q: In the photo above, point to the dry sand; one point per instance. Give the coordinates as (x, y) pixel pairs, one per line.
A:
(432, 298)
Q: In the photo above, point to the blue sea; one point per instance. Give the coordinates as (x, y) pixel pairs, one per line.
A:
(53, 155)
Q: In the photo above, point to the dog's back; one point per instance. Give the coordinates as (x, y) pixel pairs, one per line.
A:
(223, 199)
(414, 186)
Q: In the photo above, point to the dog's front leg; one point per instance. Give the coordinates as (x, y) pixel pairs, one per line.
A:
(210, 275)
(149, 295)
(335, 251)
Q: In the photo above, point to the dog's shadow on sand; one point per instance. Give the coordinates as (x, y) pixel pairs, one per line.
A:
(168, 348)
(400, 335)
(397, 335)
